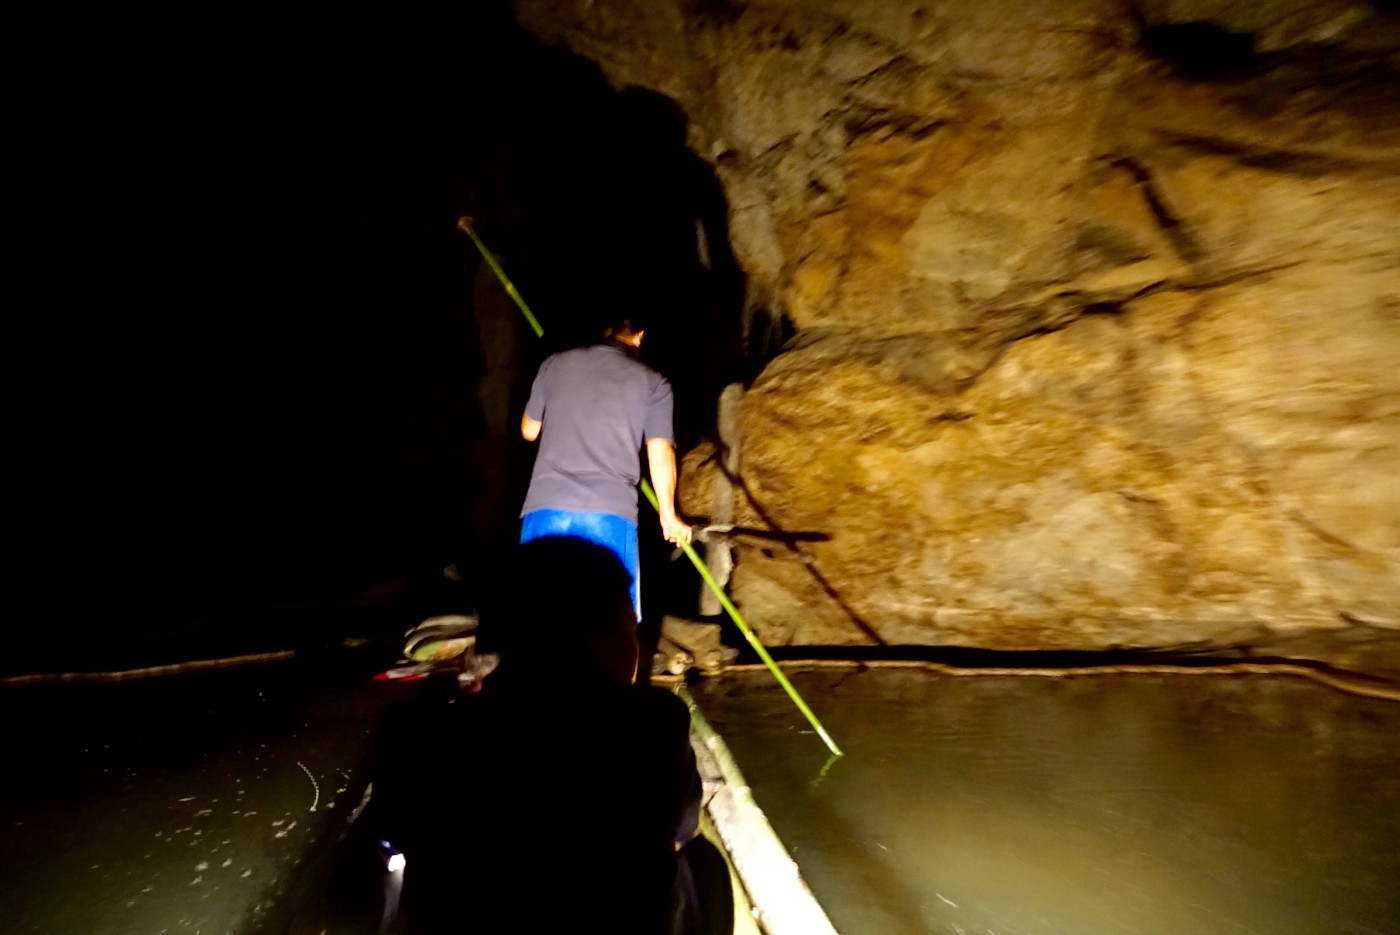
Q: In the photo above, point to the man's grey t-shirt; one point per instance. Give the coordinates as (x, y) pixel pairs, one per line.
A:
(598, 405)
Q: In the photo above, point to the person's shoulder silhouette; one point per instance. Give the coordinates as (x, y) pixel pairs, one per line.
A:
(562, 780)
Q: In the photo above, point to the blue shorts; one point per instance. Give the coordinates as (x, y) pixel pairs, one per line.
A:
(612, 532)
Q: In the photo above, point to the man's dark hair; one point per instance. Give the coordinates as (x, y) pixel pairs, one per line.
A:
(631, 324)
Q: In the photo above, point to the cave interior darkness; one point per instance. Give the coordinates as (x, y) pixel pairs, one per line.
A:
(263, 366)
(257, 364)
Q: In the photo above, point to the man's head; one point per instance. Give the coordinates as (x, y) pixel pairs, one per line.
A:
(629, 331)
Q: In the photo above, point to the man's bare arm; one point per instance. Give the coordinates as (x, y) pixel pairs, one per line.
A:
(530, 428)
(661, 458)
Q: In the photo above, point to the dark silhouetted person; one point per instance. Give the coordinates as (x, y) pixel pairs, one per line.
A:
(556, 799)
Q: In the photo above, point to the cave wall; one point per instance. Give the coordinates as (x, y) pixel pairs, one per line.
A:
(1096, 307)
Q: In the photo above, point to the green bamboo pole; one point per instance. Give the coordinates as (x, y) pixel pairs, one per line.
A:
(465, 225)
(744, 628)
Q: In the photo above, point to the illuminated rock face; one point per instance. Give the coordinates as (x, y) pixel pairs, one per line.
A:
(1098, 316)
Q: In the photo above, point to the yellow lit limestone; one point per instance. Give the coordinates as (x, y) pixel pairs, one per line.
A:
(1097, 315)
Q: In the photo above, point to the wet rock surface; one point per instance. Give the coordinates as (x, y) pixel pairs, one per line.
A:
(1092, 307)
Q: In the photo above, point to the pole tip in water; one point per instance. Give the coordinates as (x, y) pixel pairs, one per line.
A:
(464, 223)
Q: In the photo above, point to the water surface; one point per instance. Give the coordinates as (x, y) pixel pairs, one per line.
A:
(184, 804)
(1143, 804)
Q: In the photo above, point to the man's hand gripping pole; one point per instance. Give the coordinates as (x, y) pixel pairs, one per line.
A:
(749, 635)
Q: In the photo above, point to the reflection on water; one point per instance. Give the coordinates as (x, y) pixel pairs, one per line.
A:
(1075, 806)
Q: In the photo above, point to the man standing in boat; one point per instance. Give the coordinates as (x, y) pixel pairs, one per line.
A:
(592, 409)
